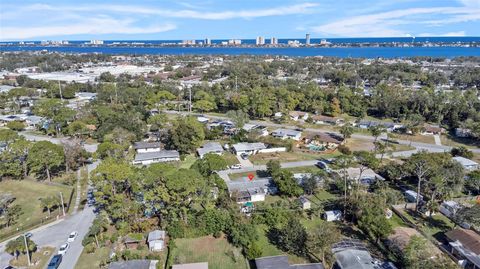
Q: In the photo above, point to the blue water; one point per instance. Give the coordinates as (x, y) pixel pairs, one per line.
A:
(356, 52)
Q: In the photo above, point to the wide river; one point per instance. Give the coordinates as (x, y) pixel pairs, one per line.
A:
(356, 52)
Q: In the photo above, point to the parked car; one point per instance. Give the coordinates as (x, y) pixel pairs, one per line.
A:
(244, 156)
(63, 249)
(55, 262)
(72, 236)
(9, 267)
(28, 235)
(323, 165)
(236, 166)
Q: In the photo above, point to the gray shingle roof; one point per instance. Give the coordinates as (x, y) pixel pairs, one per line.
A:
(157, 155)
(248, 146)
(146, 145)
(209, 148)
(132, 264)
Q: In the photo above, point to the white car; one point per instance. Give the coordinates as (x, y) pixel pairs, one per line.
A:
(63, 249)
(72, 236)
(236, 166)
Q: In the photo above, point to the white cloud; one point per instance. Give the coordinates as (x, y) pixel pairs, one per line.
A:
(303, 8)
(459, 33)
(385, 24)
(93, 26)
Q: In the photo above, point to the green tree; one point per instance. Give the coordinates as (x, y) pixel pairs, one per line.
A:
(238, 117)
(470, 215)
(186, 135)
(372, 219)
(320, 240)
(17, 246)
(210, 163)
(418, 255)
(287, 185)
(45, 158)
(376, 131)
(473, 182)
(293, 237)
(462, 151)
(49, 203)
(77, 129)
(204, 105)
(273, 167)
(346, 131)
(16, 125)
(11, 214)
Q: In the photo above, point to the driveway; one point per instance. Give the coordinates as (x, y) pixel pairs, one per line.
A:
(245, 163)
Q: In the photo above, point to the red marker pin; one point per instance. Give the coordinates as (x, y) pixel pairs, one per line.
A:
(250, 176)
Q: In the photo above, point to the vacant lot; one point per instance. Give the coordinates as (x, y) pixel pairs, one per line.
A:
(92, 260)
(216, 251)
(28, 194)
(283, 157)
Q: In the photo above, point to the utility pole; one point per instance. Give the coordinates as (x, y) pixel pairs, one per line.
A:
(26, 247)
(60, 88)
(63, 206)
(190, 99)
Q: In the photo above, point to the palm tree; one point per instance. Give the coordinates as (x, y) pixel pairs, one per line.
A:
(376, 131)
(49, 203)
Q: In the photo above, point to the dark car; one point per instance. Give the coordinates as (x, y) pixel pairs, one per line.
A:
(55, 262)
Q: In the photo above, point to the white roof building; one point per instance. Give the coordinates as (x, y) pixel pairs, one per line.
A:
(467, 163)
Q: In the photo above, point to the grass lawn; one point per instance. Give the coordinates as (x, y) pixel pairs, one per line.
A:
(188, 161)
(451, 141)
(359, 144)
(230, 158)
(263, 158)
(216, 251)
(28, 194)
(92, 260)
(40, 259)
(304, 169)
(416, 138)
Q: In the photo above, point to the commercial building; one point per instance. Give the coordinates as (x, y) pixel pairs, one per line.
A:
(260, 41)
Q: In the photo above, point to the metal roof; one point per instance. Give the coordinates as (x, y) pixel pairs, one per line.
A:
(157, 155)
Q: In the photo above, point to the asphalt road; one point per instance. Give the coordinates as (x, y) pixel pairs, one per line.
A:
(56, 234)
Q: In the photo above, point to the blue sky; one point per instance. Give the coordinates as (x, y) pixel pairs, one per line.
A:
(188, 19)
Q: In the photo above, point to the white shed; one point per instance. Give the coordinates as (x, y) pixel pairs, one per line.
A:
(333, 215)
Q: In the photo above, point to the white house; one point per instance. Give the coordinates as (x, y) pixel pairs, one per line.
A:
(246, 190)
(287, 134)
(144, 147)
(248, 148)
(333, 215)
(253, 127)
(147, 158)
(156, 240)
(468, 164)
(366, 177)
(298, 115)
(210, 147)
(304, 203)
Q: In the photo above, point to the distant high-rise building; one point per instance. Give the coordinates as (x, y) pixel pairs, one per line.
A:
(260, 40)
(307, 39)
(96, 42)
(234, 42)
(273, 41)
(208, 41)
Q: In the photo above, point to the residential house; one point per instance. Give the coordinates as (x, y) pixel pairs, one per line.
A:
(304, 203)
(467, 164)
(281, 262)
(321, 119)
(432, 130)
(352, 254)
(450, 208)
(298, 115)
(156, 157)
(156, 240)
(248, 148)
(198, 265)
(246, 190)
(145, 147)
(332, 215)
(465, 246)
(463, 132)
(210, 147)
(389, 126)
(411, 196)
(202, 119)
(262, 130)
(134, 264)
(322, 141)
(366, 177)
(287, 134)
